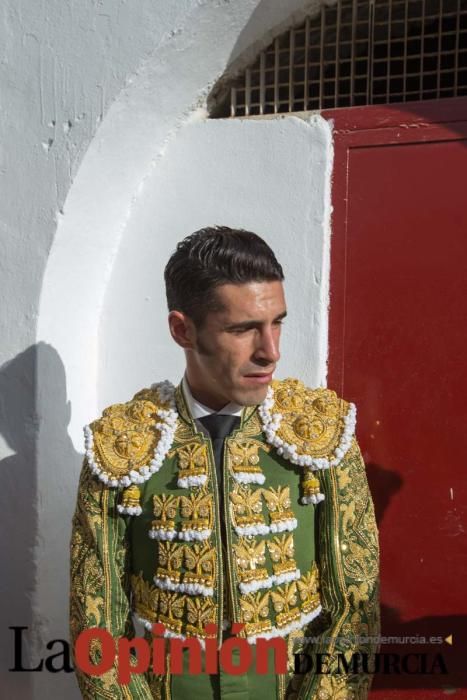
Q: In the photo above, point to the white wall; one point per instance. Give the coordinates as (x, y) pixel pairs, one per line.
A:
(268, 176)
(96, 98)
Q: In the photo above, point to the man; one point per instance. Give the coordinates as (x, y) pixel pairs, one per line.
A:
(231, 498)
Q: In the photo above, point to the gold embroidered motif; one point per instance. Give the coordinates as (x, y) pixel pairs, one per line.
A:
(146, 597)
(200, 560)
(192, 460)
(248, 556)
(246, 506)
(200, 612)
(87, 577)
(278, 503)
(156, 684)
(170, 561)
(255, 613)
(335, 687)
(125, 436)
(165, 510)
(349, 576)
(360, 549)
(197, 511)
(312, 419)
(131, 497)
(171, 608)
(310, 483)
(281, 549)
(97, 562)
(251, 427)
(242, 455)
(284, 599)
(308, 585)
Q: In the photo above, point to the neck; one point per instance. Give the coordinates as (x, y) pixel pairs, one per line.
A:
(204, 397)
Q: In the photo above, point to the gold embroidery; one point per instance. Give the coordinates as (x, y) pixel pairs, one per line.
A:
(145, 596)
(242, 455)
(200, 612)
(184, 433)
(312, 419)
(281, 549)
(334, 687)
(131, 497)
(170, 561)
(360, 550)
(197, 511)
(310, 483)
(171, 608)
(284, 598)
(192, 460)
(86, 572)
(248, 556)
(165, 510)
(125, 436)
(156, 684)
(246, 506)
(159, 684)
(349, 574)
(255, 613)
(308, 585)
(200, 560)
(97, 561)
(278, 503)
(295, 645)
(251, 427)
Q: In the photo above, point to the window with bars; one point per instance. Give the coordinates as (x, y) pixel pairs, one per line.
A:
(355, 52)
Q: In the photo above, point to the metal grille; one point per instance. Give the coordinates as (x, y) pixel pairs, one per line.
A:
(357, 52)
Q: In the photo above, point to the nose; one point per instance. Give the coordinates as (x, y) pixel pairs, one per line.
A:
(267, 349)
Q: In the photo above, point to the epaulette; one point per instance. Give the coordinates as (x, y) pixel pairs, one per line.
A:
(311, 427)
(129, 442)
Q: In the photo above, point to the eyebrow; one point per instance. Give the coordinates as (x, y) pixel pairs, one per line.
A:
(252, 323)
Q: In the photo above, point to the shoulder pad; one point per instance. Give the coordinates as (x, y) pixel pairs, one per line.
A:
(129, 442)
(310, 427)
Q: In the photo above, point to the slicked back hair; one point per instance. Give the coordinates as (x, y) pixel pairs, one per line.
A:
(209, 258)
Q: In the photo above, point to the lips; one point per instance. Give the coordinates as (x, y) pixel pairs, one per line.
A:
(259, 377)
(259, 374)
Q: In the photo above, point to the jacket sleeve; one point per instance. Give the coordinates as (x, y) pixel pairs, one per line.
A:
(99, 583)
(348, 553)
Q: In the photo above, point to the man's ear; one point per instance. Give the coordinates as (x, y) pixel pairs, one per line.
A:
(182, 329)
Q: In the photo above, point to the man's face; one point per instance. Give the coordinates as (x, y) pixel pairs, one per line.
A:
(234, 354)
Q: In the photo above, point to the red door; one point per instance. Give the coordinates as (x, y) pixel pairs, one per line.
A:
(398, 349)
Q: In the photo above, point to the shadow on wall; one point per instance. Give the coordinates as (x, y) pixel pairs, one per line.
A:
(20, 424)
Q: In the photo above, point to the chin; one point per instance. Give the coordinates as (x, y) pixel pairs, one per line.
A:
(253, 396)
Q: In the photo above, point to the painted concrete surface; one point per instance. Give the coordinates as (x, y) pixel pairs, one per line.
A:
(268, 176)
(96, 97)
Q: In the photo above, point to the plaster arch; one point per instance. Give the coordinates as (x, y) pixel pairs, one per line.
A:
(166, 94)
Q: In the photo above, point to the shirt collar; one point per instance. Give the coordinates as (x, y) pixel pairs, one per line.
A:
(198, 410)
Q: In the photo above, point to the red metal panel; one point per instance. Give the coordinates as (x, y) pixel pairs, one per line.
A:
(398, 338)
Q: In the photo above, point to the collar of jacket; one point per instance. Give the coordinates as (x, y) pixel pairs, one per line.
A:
(184, 413)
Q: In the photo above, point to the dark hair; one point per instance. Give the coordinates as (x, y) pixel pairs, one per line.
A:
(210, 257)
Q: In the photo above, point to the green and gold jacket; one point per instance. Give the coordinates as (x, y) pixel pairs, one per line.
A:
(300, 556)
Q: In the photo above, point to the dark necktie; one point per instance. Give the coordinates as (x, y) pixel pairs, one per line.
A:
(219, 426)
